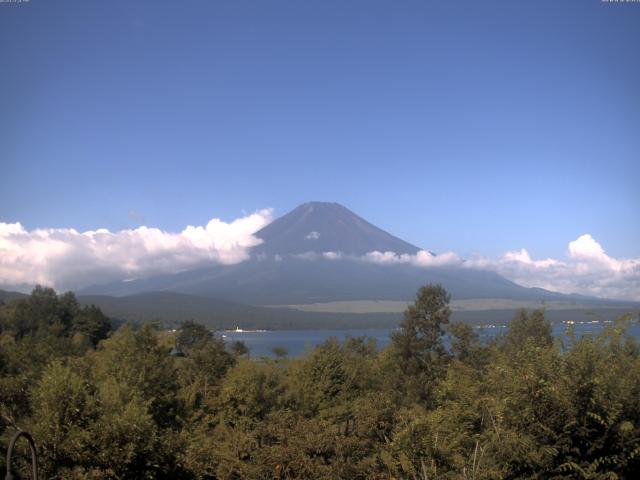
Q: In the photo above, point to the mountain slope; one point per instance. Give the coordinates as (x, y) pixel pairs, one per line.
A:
(326, 227)
(289, 268)
(9, 296)
(294, 281)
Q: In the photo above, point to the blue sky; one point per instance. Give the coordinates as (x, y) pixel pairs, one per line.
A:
(473, 126)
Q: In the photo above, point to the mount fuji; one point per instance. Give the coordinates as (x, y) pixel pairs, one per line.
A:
(315, 254)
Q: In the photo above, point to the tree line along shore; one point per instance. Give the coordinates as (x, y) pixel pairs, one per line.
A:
(142, 402)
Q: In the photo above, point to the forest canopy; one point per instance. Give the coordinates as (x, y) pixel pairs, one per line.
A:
(143, 402)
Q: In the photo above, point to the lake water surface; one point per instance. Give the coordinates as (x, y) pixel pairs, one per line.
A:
(262, 343)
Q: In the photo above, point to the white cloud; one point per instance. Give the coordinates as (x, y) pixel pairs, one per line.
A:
(312, 236)
(385, 258)
(65, 258)
(306, 256)
(587, 270)
(422, 258)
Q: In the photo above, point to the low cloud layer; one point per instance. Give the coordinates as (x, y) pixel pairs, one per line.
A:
(67, 259)
(586, 270)
(421, 259)
(312, 236)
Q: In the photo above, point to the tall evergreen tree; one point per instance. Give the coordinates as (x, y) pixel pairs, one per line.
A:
(418, 344)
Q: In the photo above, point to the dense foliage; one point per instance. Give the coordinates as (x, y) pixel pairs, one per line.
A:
(147, 403)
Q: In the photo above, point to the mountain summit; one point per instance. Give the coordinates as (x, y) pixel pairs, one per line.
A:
(327, 227)
(277, 275)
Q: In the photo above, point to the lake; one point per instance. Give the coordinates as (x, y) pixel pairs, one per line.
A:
(261, 343)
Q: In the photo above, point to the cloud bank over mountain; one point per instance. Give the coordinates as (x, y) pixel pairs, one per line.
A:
(67, 259)
(587, 270)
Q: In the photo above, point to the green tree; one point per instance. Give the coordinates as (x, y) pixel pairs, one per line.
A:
(280, 352)
(136, 359)
(201, 372)
(528, 327)
(324, 379)
(418, 343)
(239, 348)
(45, 315)
(249, 392)
(41, 314)
(464, 344)
(192, 335)
(63, 409)
(91, 323)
